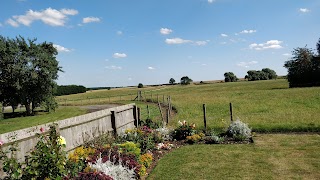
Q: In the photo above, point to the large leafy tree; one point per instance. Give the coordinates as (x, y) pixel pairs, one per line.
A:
(185, 80)
(270, 73)
(29, 70)
(303, 68)
(230, 77)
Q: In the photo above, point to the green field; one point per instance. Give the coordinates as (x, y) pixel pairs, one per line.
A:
(270, 157)
(11, 124)
(267, 106)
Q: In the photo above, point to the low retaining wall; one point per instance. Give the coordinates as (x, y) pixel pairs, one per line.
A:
(76, 130)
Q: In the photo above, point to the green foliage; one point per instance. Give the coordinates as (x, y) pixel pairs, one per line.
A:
(185, 80)
(28, 71)
(183, 130)
(303, 68)
(130, 147)
(70, 89)
(46, 160)
(265, 74)
(230, 77)
(140, 85)
(172, 81)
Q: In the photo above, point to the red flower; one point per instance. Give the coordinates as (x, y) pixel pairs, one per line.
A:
(42, 129)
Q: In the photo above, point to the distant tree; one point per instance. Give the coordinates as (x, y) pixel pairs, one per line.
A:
(270, 73)
(70, 89)
(318, 47)
(172, 81)
(185, 80)
(140, 85)
(230, 77)
(303, 68)
(264, 74)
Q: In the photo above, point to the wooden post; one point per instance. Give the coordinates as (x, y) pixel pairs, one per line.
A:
(161, 112)
(204, 116)
(170, 106)
(135, 116)
(148, 110)
(113, 123)
(163, 99)
(231, 116)
(139, 115)
(168, 115)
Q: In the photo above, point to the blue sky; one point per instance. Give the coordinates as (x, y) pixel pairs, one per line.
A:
(125, 42)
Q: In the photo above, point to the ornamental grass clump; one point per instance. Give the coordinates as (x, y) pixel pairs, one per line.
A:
(239, 131)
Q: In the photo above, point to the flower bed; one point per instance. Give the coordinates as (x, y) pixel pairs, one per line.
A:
(130, 156)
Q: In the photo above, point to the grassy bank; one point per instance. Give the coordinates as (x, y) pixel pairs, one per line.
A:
(11, 124)
(270, 157)
(268, 106)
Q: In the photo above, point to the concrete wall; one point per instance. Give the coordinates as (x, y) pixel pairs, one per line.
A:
(76, 130)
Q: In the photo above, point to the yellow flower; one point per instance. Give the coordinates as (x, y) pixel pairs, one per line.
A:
(62, 140)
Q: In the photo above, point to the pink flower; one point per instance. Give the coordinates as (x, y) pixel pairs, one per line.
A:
(42, 129)
(1, 143)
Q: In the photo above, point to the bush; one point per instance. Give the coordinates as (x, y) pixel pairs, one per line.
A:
(183, 131)
(140, 85)
(230, 77)
(239, 130)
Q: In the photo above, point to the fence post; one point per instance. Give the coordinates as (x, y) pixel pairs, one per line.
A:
(161, 112)
(139, 115)
(204, 116)
(148, 110)
(231, 115)
(113, 123)
(135, 117)
(163, 98)
(168, 115)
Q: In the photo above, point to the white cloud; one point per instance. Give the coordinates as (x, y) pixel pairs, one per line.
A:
(12, 23)
(61, 48)
(70, 12)
(114, 67)
(48, 16)
(203, 64)
(119, 32)
(272, 44)
(119, 55)
(248, 31)
(90, 19)
(286, 54)
(201, 43)
(304, 10)
(211, 1)
(247, 64)
(177, 41)
(151, 68)
(224, 35)
(165, 31)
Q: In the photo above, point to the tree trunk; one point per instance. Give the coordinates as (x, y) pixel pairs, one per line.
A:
(28, 110)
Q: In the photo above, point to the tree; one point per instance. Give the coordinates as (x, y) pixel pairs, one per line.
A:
(140, 85)
(303, 68)
(28, 73)
(264, 74)
(230, 77)
(172, 81)
(185, 80)
(270, 73)
(318, 47)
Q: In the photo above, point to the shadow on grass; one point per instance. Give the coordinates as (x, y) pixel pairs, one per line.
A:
(21, 114)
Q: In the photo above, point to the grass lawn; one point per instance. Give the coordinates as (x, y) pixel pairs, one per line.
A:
(272, 156)
(267, 106)
(11, 124)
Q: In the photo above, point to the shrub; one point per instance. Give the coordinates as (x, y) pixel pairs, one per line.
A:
(140, 85)
(146, 159)
(183, 131)
(193, 138)
(130, 147)
(239, 130)
(114, 170)
(164, 133)
(77, 160)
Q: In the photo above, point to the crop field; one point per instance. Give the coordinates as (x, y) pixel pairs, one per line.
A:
(267, 106)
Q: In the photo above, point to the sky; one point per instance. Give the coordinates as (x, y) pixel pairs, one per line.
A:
(104, 43)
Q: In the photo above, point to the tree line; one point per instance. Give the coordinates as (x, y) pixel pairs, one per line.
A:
(70, 89)
(252, 75)
(28, 71)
